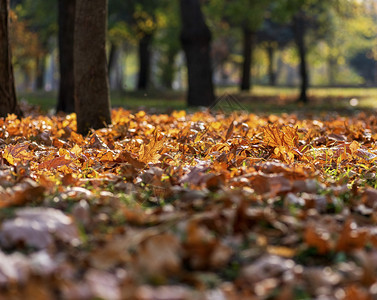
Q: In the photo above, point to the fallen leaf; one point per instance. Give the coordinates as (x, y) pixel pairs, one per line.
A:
(37, 227)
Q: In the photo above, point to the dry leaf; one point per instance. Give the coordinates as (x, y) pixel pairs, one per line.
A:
(37, 227)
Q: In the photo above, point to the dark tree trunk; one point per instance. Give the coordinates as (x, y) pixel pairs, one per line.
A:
(168, 70)
(40, 67)
(248, 47)
(144, 62)
(271, 69)
(196, 42)
(112, 57)
(299, 35)
(66, 18)
(92, 101)
(332, 70)
(115, 68)
(8, 100)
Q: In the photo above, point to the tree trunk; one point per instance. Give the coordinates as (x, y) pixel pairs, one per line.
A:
(40, 68)
(332, 70)
(8, 100)
(115, 67)
(66, 18)
(196, 39)
(168, 70)
(92, 101)
(144, 62)
(248, 47)
(299, 35)
(271, 69)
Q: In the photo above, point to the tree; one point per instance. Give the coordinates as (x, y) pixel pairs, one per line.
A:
(92, 102)
(66, 20)
(247, 15)
(168, 43)
(272, 37)
(8, 100)
(299, 25)
(140, 16)
(25, 48)
(40, 16)
(196, 38)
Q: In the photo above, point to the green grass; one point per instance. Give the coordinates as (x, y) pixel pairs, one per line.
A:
(262, 99)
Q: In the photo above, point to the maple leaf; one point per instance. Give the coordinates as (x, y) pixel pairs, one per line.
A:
(277, 137)
(18, 153)
(284, 140)
(148, 153)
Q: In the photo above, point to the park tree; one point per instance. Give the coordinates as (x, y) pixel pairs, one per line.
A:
(66, 21)
(121, 36)
(273, 37)
(8, 100)
(168, 43)
(196, 41)
(248, 15)
(302, 16)
(92, 102)
(40, 17)
(140, 17)
(25, 48)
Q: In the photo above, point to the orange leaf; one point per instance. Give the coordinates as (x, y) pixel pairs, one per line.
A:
(55, 163)
(17, 153)
(351, 237)
(285, 136)
(229, 131)
(148, 153)
(317, 240)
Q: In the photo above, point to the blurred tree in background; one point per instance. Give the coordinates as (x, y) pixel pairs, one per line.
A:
(283, 42)
(8, 100)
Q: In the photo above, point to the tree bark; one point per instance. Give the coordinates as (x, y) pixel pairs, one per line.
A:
(40, 67)
(168, 70)
(332, 70)
(92, 101)
(144, 61)
(8, 100)
(115, 68)
(66, 19)
(248, 47)
(299, 31)
(196, 40)
(271, 70)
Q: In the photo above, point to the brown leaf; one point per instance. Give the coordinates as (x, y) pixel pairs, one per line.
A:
(126, 156)
(103, 284)
(229, 132)
(164, 261)
(55, 163)
(320, 241)
(37, 227)
(351, 237)
(96, 143)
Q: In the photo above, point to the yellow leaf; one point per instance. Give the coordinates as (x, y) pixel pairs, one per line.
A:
(148, 153)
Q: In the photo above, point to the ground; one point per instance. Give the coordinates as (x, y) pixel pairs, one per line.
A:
(205, 205)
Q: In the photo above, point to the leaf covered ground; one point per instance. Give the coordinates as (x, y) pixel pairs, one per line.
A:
(189, 206)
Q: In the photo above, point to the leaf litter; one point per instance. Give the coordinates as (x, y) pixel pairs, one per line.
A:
(189, 206)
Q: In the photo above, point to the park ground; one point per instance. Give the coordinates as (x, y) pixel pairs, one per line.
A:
(262, 99)
(275, 201)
